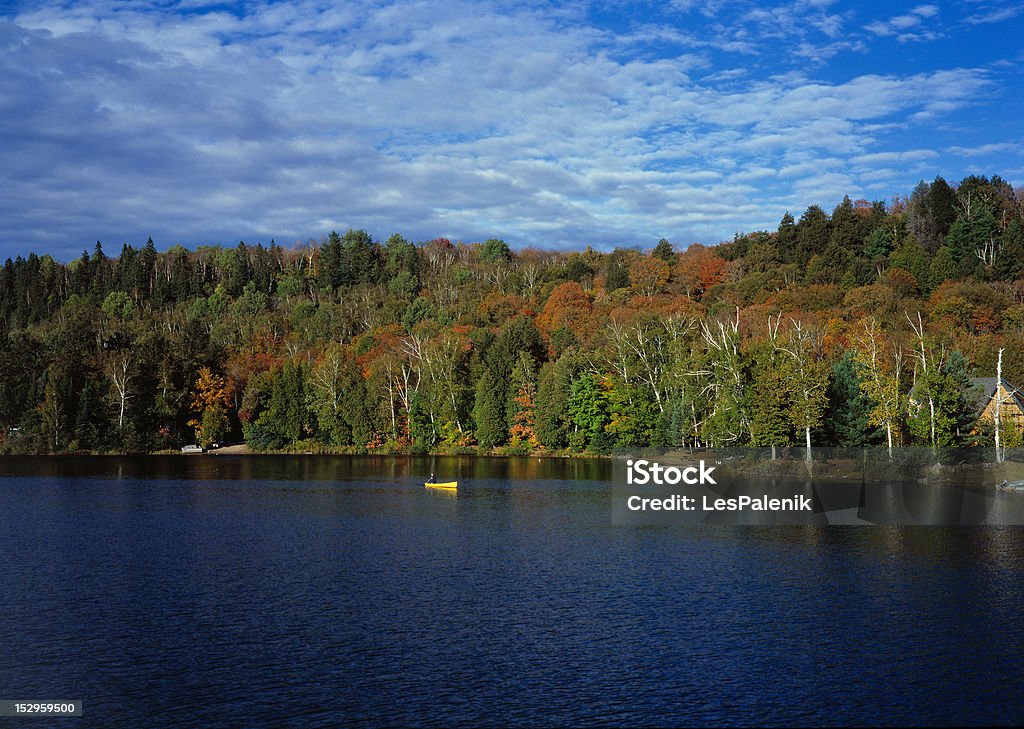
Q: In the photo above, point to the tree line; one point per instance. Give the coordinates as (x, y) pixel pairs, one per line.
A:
(855, 327)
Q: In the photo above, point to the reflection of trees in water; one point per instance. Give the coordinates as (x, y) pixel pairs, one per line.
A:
(312, 467)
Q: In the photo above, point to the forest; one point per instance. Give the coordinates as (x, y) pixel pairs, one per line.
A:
(853, 327)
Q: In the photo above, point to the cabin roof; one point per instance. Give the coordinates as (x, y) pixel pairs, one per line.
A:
(983, 389)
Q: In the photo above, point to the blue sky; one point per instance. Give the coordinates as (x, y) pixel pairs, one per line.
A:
(552, 124)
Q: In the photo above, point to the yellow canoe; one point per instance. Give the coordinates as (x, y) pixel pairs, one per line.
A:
(447, 485)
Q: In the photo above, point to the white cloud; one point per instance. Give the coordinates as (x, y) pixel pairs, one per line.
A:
(985, 149)
(995, 14)
(908, 27)
(910, 155)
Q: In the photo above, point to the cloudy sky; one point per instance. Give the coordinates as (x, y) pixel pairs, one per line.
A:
(553, 124)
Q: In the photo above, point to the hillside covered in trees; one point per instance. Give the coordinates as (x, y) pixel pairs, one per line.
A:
(854, 327)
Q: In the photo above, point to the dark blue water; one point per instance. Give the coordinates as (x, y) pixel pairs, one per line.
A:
(337, 592)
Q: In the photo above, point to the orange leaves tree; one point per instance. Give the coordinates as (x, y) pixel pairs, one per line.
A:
(210, 407)
(567, 317)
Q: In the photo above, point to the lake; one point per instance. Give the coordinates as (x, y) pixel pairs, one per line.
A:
(315, 591)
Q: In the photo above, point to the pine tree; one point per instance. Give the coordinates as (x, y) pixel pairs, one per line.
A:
(664, 251)
(587, 413)
(845, 227)
(489, 410)
(287, 414)
(974, 232)
(329, 267)
(551, 405)
(785, 239)
(812, 235)
(847, 419)
(1010, 262)
(941, 269)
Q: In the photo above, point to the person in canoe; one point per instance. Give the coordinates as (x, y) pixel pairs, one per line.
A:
(432, 478)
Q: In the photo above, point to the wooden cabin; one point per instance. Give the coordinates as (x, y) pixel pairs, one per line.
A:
(985, 395)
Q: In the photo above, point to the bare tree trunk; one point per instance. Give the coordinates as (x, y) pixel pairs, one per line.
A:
(999, 403)
(931, 408)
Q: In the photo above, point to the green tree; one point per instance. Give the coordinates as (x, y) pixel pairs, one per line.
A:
(847, 418)
(845, 228)
(553, 420)
(831, 266)
(812, 235)
(769, 398)
(785, 239)
(287, 415)
(807, 376)
(587, 411)
(942, 268)
(495, 250)
(489, 410)
(879, 244)
(119, 306)
(1009, 264)
(360, 258)
(973, 236)
(421, 429)
(665, 251)
(616, 274)
(881, 363)
(910, 256)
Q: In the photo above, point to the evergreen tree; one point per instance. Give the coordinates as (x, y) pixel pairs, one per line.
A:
(942, 203)
(1010, 261)
(664, 251)
(489, 410)
(421, 430)
(587, 411)
(812, 235)
(910, 256)
(616, 275)
(830, 267)
(329, 264)
(287, 415)
(845, 227)
(146, 270)
(942, 268)
(847, 419)
(945, 388)
(785, 239)
(879, 244)
(100, 275)
(971, 233)
(551, 405)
